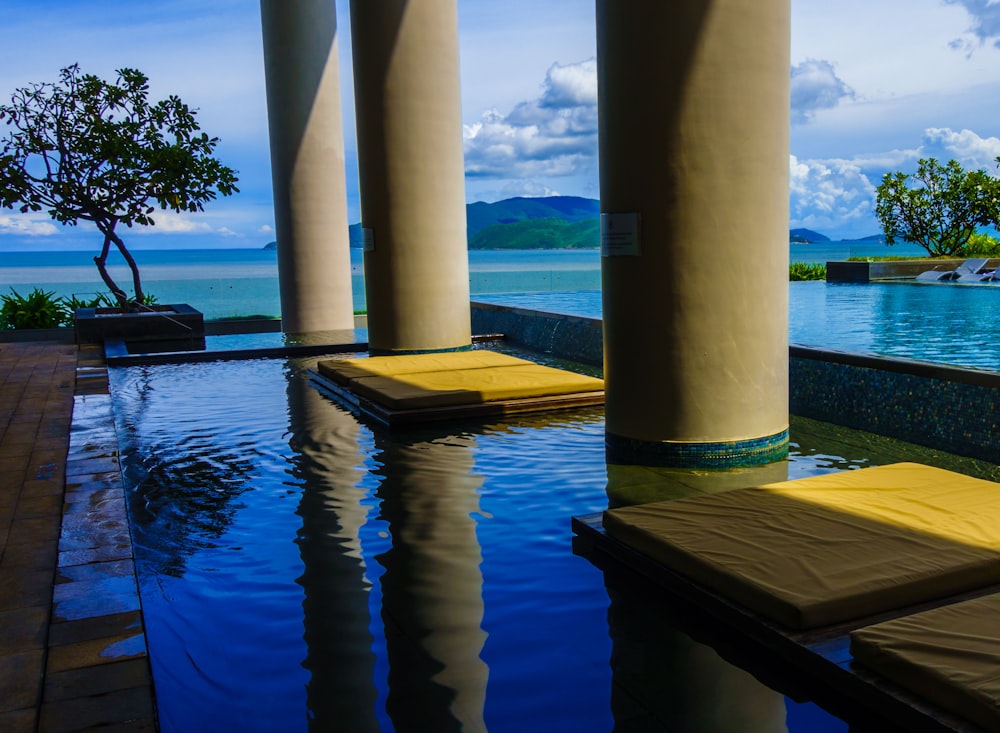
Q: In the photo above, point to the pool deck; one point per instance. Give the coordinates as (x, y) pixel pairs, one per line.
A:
(72, 648)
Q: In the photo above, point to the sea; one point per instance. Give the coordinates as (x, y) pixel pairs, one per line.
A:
(232, 283)
(946, 323)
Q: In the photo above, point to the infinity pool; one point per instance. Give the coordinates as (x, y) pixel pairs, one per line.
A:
(942, 322)
(301, 570)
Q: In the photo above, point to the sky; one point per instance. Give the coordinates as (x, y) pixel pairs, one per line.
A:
(876, 85)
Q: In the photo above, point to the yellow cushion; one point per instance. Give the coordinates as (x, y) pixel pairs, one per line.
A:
(947, 655)
(826, 549)
(472, 386)
(344, 370)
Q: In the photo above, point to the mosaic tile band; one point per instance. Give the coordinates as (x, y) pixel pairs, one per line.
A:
(715, 455)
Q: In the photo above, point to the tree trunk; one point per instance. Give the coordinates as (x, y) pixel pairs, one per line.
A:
(108, 229)
(101, 262)
(137, 284)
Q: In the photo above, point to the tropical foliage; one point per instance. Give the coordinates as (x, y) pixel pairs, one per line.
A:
(803, 271)
(84, 149)
(939, 207)
(981, 245)
(37, 309)
(43, 309)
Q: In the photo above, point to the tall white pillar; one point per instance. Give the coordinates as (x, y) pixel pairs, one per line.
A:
(694, 126)
(307, 164)
(409, 122)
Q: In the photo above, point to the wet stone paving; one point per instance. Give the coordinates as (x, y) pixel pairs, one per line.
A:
(72, 647)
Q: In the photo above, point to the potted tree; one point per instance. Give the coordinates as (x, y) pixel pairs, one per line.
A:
(85, 149)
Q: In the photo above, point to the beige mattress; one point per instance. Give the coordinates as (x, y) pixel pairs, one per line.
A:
(423, 381)
(344, 370)
(828, 549)
(949, 656)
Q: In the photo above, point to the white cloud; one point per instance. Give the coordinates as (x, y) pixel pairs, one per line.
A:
(573, 85)
(968, 148)
(29, 226)
(527, 189)
(828, 194)
(168, 222)
(553, 135)
(838, 194)
(816, 86)
(985, 17)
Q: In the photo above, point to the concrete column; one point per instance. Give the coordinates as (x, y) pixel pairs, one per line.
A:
(307, 164)
(694, 125)
(409, 124)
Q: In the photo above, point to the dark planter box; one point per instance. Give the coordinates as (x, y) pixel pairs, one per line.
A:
(177, 327)
(863, 272)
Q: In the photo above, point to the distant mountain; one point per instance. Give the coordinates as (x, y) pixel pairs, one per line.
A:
(549, 222)
(481, 215)
(550, 233)
(804, 236)
(567, 208)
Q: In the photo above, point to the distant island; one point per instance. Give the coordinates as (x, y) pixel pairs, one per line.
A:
(806, 236)
(548, 222)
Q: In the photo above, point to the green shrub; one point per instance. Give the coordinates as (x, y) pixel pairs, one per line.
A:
(37, 309)
(981, 245)
(884, 258)
(802, 271)
(101, 300)
(41, 309)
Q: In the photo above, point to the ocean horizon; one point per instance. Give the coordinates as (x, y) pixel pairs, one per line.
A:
(229, 283)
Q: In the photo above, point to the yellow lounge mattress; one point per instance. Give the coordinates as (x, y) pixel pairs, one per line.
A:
(342, 371)
(425, 381)
(827, 549)
(949, 656)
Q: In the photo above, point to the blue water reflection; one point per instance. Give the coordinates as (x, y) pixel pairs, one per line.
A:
(300, 570)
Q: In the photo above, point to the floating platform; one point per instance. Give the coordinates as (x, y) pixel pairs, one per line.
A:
(421, 388)
(790, 574)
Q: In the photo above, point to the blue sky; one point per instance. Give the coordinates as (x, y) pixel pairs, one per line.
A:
(876, 84)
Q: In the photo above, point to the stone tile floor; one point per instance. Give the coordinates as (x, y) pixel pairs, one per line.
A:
(72, 648)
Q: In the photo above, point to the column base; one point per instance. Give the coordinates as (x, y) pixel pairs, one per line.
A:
(719, 455)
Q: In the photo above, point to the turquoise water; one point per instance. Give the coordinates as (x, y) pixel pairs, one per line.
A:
(240, 282)
(947, 323)
(939, 322)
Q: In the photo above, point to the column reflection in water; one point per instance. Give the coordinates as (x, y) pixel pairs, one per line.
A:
(432, 600)
(660, 675)
(341, 694)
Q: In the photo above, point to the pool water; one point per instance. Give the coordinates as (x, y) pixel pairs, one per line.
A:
(302, 570)
(948, 323)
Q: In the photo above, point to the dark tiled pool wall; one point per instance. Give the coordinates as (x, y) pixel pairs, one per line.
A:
(568, 337)
(949, 409)
(946, 408)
